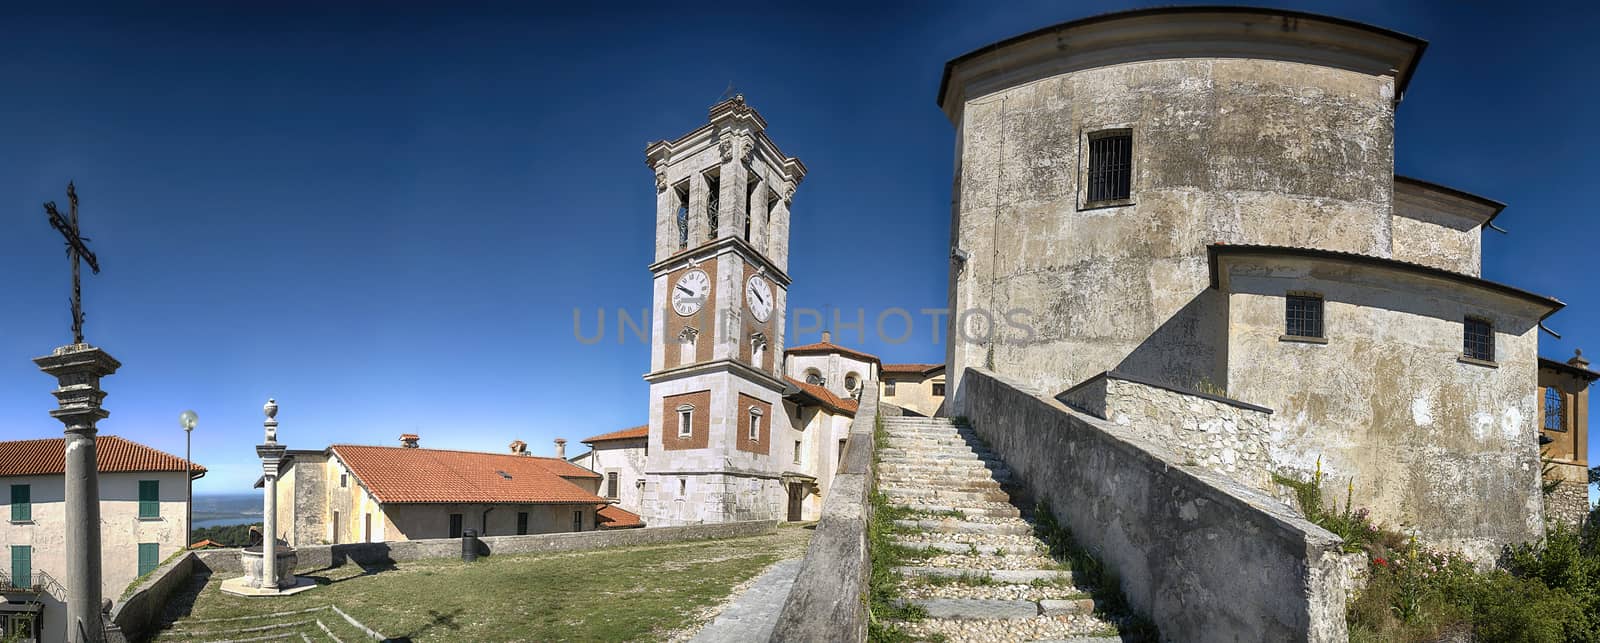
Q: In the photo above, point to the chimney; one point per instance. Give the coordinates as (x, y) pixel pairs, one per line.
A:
(827, 337)
(1578, 360)
(409, 440)
(561, 448)
(518, 447)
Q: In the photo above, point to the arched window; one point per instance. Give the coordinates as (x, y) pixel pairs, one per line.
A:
(758, 350)
(813, 376)
(685, 420)
(686, 345)
(755, 423)
(1555, 410)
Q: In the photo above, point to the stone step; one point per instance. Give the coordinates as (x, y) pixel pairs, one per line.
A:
(931, 434)
(901, 457)
(994, 512)
(966, 548)
(1003, 576)
(934, 450)
(953, 483)
(1018, 528)
(952, 468)
(908, 493)
(975, 608)
(928, 440)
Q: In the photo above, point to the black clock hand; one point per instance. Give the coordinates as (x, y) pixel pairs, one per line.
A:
(757, 293)
(686, 291)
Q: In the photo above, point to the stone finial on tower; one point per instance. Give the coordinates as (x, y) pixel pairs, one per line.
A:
(1577, 359)
(271, 424)
(561, 448)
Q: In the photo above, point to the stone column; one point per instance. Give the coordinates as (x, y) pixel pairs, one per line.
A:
(78, 369)
(271, 456)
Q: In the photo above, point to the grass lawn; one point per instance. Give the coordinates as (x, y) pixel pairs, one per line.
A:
(640, 593)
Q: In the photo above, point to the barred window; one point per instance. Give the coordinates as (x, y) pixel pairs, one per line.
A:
(1478, 339)
(1555, 410)
(713, 205)
(1110, 166)
(1303, 316)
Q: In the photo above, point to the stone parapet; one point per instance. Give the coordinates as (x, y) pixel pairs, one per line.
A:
(1207, 430)
(1204, 556)
(828, 602)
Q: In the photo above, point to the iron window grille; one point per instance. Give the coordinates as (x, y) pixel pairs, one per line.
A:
(713, 205)
(1555, 410)
(1478, 339)
(1303, 316)
(1110, 166)
(938, 389)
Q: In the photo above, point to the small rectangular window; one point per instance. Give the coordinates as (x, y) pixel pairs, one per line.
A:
(1303, 316)
(344, 480)
(685, 422)
(22, 565)
(21, 503)
(149, 498)
(1110, 166)
(149, 557)
(522, 523)
(755, 426)
(455, 525)
(683, 487)
(1478, 339)
(577, 521)
(938, 389)
(797, 452)
(888, 389)
(1555, 409)
(611, 485)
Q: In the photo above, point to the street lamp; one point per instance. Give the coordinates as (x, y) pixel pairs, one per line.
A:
(188, 419)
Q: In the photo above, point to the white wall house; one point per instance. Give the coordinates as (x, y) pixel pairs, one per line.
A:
(142, 523)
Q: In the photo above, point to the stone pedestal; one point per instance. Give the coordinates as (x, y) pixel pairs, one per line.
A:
(78, 369)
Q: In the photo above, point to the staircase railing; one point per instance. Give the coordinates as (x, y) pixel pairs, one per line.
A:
(49, 585)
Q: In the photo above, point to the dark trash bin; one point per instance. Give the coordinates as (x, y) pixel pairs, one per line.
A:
(469, 545)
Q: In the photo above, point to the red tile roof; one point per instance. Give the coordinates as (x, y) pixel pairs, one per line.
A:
(563, 468)
(830, 347)
(911, 369)
(637, 432)
(402, 475)
(112, 455)
(614, 517)
(826, 397)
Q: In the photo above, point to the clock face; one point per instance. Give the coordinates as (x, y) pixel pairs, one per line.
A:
(690, 292)
(758, 294)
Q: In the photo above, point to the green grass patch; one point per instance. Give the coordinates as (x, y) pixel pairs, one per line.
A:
(883, 595)
(625, 594)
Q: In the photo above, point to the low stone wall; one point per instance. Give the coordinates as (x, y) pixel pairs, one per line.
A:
(1204, 556)
(828, 601)
(1220, 434)
(139, 613)
(327, 556)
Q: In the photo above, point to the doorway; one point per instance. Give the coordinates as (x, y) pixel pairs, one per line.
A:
(797, 498)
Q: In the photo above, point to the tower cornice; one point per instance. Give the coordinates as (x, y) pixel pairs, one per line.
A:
(712, 249)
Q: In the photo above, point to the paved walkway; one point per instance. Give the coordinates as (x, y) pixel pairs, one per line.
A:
(753, 613)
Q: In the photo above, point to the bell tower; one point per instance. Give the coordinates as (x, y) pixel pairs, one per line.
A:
(721, 288)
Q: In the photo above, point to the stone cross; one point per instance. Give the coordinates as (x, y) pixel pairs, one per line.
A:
(76, 249)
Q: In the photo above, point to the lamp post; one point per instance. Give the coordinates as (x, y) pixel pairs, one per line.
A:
(188, 419)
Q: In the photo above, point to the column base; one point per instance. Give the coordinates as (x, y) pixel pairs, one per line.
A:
(241, 587)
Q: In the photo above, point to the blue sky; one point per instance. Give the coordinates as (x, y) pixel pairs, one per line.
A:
(384, 216)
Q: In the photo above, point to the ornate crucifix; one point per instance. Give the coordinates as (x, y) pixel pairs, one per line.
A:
(68, 227)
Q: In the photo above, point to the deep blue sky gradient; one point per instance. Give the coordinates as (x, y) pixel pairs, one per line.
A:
(385, 215)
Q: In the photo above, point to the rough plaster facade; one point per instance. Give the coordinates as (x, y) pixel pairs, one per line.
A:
(121, 532)
(1257, 128)
(913, 391)
(626, 459)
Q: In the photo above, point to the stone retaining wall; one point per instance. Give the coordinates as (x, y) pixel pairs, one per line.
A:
(828, 601)
(1220, 434)
(141, 611)
(1204, 556)
(1568, 503)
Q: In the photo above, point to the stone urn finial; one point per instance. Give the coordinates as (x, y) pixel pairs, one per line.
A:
(271, 409)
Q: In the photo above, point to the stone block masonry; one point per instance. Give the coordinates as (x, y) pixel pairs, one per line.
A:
(1211, 431)
(1203, 556)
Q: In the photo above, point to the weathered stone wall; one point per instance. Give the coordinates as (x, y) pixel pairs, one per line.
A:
(1226, 436)
(828, 600)
(1224, 149)
(1434, 444)
(1207, 558)
(140, 612)
(1439, 227)
(1568, 504)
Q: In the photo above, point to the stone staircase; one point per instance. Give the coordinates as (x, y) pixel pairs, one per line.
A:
(979, 572)
(319, 624)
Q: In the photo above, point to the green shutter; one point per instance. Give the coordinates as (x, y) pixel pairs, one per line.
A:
(149, 498)
(149, 556)
(21, 566)
(21, 503)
